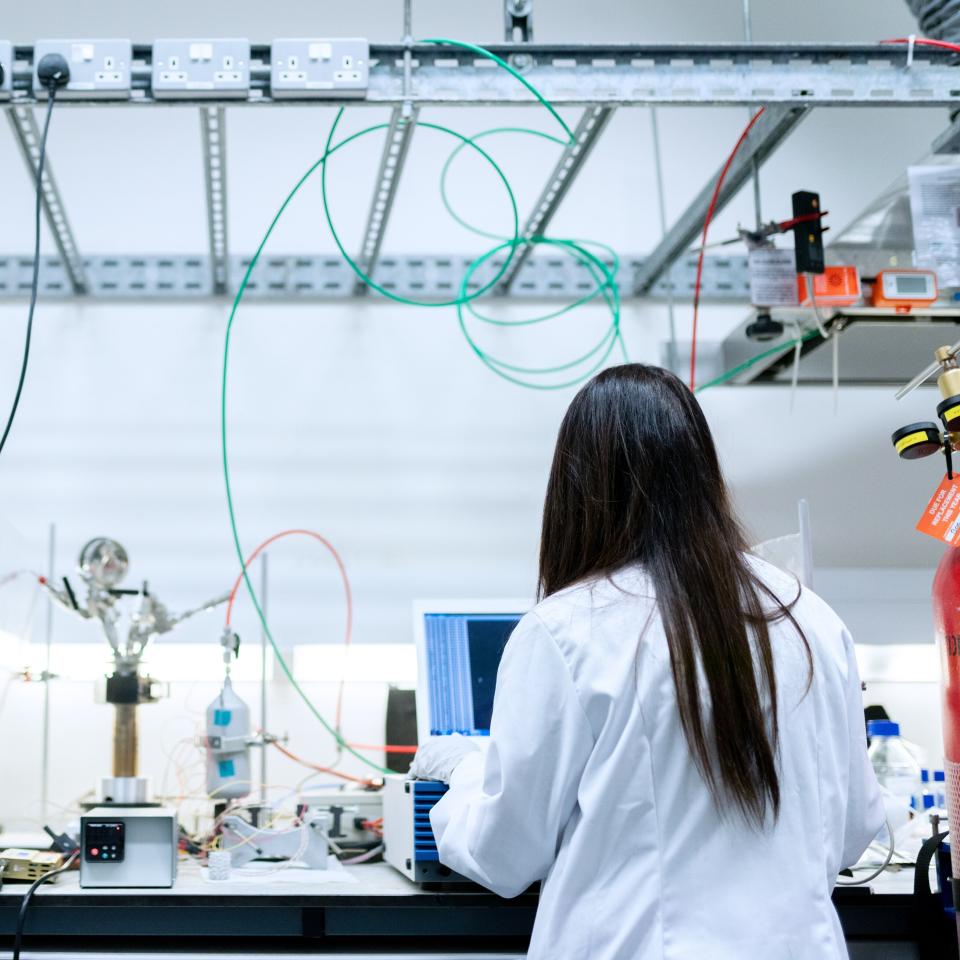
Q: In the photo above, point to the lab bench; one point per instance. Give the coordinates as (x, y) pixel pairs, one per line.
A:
(377, 913)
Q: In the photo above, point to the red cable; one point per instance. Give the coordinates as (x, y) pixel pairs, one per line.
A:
(289, 533)
(786, 225)
(924, 42)
(321, 769)
(389, 748)
(346, 589)
(703, 242)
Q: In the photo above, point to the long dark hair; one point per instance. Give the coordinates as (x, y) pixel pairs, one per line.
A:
(636, 480)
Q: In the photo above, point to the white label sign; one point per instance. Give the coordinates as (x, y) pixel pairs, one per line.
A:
(935, 211)
(773, 278)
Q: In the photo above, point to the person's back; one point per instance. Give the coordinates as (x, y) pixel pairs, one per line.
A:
(648, 867)
(677, 745)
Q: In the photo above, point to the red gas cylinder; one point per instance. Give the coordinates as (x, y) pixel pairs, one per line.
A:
(946, 613)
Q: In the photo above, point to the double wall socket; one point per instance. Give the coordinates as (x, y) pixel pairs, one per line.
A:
(194, 69)
(302, 69)
(99, 69)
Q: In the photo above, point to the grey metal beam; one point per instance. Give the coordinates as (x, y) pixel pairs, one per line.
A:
(773, 127)
(587, 132)
(813, 74)
(403, 121)
(214, 136)
(292, 278)
(27, 134)
(949, 140)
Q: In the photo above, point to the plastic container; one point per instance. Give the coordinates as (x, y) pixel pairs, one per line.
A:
(897, 770)
(939, 790)
(925, 799)
(228, 756)
(218, 863)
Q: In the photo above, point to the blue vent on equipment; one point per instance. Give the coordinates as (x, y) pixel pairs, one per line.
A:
(426, 793)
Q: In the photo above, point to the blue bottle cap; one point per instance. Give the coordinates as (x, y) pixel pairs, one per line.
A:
(883, 728)
(938, 776)
(924, 775)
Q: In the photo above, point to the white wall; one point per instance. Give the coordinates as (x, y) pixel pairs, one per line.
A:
(372, 423)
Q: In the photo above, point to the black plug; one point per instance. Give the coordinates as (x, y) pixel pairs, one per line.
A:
(53, 71)
(764, 328)
(62, 842)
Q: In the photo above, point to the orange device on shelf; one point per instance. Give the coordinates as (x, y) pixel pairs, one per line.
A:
(904, 289)
(835, 287)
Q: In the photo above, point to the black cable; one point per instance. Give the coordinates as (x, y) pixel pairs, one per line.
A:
(22, 912)
(36, 270)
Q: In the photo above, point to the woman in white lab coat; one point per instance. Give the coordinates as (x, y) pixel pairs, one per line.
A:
(677, 746)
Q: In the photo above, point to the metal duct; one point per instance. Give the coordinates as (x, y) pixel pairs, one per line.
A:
(938, 19)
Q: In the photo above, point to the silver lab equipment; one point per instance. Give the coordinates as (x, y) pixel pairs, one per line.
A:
(102, 565)
(308, 842)
(128, 847)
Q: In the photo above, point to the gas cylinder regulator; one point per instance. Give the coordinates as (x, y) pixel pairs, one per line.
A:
(924, 438)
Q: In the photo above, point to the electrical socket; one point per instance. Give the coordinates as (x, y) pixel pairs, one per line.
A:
(195, 69)
(6, 69)
(99, 69)
(318, 68)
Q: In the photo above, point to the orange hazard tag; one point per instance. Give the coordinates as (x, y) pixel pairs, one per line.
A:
(941, 519)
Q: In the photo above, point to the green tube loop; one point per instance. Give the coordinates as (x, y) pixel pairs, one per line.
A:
(603, 276)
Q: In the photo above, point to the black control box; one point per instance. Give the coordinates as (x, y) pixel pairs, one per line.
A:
(103, 842)
(808, 234)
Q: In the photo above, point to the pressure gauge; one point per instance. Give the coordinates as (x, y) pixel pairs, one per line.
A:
(916, 440)
(904, 289)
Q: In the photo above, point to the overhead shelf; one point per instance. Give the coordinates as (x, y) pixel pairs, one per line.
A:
(787, 79)
(717, 74)
(877, 347)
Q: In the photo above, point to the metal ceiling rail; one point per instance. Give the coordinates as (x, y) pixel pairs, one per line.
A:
(327, 277)
(403, 121)
(214, 135)
(728, 74)
(588, 131)
(773, 127)
(27, 134)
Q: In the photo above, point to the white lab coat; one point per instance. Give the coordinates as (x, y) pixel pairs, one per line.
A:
(588, 785)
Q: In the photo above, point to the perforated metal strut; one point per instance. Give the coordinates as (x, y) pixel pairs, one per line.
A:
(591, 125)
(403, 120)
(213, 129)
(27, 134)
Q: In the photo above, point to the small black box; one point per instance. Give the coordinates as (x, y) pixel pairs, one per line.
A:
(808, 236)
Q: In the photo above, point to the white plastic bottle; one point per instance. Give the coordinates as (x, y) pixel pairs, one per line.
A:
(228, 756)
(897, 770)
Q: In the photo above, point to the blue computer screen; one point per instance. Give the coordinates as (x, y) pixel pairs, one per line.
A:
(463, 653)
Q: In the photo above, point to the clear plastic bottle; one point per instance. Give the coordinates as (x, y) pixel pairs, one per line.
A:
(924, 800)
(897, 770)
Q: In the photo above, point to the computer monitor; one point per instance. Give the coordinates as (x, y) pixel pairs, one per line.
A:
(459, 645)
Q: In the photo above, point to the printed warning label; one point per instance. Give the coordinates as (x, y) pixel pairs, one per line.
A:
(941, 519)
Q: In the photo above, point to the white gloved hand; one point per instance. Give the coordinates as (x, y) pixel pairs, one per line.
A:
(439, 756)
